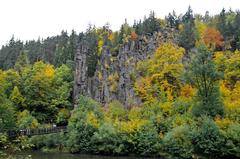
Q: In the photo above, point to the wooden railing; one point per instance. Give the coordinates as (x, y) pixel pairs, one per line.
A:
(33, 132)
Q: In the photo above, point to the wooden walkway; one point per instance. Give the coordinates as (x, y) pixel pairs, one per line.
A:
(33, 132)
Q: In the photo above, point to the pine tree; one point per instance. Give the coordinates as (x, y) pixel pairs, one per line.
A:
(236, 42)
(22, 61)
(221, 23)
(17, 98)
(173, 20)
(187, 36)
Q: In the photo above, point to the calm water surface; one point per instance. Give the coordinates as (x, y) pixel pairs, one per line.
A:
(41, 155)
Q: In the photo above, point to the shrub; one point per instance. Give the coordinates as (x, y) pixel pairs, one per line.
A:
(147, 141)
(63, 116)
(116, 110)
(154, 113)
(26, 120)
(181, 119)
(181, 106)
(232, 136)
(177, 143)
(135, 113)
(86, 104)
(207, 139)
(107, 140)
(38, 141)
(49, 141)
(54, 140)
(3, 143)
(113, 81)
(79, 136)
(80, 130)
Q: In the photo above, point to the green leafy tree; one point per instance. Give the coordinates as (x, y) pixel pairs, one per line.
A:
(26, 120)
(203, 75)
(7, 114)
(83, 124)
(38, 88)
(62, 84)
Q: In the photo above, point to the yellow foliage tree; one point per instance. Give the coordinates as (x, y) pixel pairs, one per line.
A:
(49, 71)
(160, 74)
(201, 29)
(111, 36)
(187, 91)
(232, 71)
(220, 60)
(231, 100)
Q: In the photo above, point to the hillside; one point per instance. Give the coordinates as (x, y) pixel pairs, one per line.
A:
(162, 87)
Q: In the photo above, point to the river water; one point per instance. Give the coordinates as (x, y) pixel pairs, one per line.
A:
(41, 155)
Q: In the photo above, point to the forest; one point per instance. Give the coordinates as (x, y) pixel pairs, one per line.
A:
(189, 91)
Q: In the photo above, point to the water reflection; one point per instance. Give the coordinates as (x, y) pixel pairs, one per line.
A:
(41, 155)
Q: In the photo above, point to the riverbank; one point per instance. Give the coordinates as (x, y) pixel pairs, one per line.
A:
(63, 155)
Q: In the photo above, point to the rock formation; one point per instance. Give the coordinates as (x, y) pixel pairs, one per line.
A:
(112, 79)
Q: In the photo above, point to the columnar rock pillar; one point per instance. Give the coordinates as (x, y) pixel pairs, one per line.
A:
(80, 76)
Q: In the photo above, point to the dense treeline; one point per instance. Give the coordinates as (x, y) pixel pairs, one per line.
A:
(189, 89)
(56, 50)
(221, 30)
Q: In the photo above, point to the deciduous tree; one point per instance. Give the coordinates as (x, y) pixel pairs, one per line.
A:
(160, 74)
(202, 74)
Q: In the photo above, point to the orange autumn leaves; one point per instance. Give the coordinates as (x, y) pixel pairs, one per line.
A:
(213, 38)
(210, 36)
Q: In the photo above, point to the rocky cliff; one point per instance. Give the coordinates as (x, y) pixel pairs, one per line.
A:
(113, 76)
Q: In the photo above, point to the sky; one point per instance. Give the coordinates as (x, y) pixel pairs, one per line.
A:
(31, 19)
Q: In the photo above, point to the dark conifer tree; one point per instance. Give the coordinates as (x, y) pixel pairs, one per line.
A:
(187, 37)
